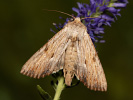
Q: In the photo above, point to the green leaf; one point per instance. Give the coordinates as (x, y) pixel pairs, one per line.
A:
(43, 94)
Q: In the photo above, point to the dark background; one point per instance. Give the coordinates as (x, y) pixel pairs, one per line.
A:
(25, 27)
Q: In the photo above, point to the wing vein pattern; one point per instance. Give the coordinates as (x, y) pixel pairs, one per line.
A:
(89, 68)
(43, 62)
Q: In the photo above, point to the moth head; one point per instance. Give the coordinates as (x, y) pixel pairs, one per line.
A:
(77, 19)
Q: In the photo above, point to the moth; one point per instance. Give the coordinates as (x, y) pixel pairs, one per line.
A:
(72, 50)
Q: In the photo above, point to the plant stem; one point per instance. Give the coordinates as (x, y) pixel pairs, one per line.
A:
(59, 88)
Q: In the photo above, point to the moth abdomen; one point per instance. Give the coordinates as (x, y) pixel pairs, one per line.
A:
(70, 63)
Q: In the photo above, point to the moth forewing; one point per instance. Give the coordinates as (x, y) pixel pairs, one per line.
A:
(42, 51)
(72, 50)
(38, 64)
(96, 76)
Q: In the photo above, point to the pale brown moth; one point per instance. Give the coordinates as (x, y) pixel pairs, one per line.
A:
(72, 50)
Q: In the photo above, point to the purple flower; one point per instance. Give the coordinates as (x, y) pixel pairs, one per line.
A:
(119, 4)
(104, 12)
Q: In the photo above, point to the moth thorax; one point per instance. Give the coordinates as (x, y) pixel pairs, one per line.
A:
(73, 37)
(70, 63)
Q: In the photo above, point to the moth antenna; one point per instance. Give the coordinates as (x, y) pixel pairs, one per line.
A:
(60, 12)
(89, 17)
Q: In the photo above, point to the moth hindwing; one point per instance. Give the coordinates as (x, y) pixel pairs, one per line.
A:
(72, 50)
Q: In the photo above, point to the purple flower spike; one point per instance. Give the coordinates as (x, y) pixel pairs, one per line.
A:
(98, 9)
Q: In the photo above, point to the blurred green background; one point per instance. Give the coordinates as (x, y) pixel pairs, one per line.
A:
(25, 27)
